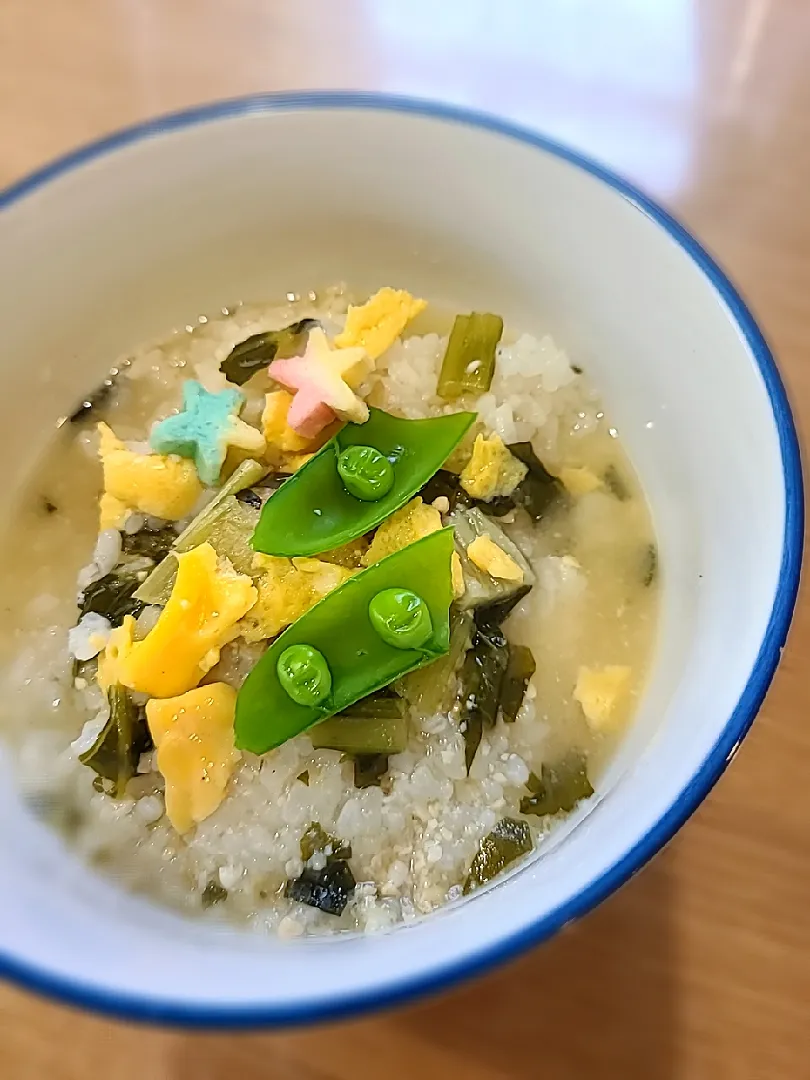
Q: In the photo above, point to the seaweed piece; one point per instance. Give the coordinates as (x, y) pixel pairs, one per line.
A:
(469, 360)
(558, 788)
(577, 370)
(369, 769)
(250, 498)
(445, 484)
(615, 483)
(89, 406)
(649, 565)
(497, 613)
(304, 777)
(329, 889)
(538, 491)
(113, 597)
(153, 543)
(481, 679)
(213, 893)
(48, 506)
(519, 670)
(257, 351)
(508, 841)
(115, 753)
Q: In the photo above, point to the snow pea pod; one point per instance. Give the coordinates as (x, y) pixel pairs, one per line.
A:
(341, 630)
(315, 511)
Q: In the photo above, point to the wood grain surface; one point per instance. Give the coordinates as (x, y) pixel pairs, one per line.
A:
(700, 967)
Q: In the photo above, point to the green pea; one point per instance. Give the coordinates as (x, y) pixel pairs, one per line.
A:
(365, 473)
(304, 674)
(401, 618)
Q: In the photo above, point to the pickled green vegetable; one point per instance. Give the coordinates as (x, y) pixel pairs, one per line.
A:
(481, 680)
(469, 362)
(340, 628)
(330, 888)
(115, 753)
(558, 788)
(401, 618)
(259, 350)
(304, 674)
(519, 670)
(480, 589)
(224, 521)
(509, 840)
(361, 734)
(369, 769)
(430, 689)
(312, 512)
(112, 596)
(365, 473)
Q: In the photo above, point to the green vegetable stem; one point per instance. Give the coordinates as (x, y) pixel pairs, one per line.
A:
(316, 510)
(509, 840)
(469, 362)
(358, 659)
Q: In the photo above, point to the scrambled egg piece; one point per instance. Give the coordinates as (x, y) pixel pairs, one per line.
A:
(598, 691)
(377, 324)
(492, 470)
(406, 525)
(282, 441)
(457, 576)
(207, 601)
(118, 647)
(286, 589)
(579, 481)
(487, 556)
(165, 487)
(193, 734)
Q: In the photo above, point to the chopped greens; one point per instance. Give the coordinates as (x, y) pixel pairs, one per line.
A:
(213, 893)
(469, 361)
(649, 565)
(115, 753)
(615, 483)
(519, 670)
(558, 788)
(481, 679)
(112, 596)
(508, 841)
(330, 888)
(257, 351)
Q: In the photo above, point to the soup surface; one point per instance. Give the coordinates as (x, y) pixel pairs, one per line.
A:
(151, 725)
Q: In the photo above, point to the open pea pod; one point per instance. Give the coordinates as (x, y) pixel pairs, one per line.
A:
(315, 510)
(342, 646)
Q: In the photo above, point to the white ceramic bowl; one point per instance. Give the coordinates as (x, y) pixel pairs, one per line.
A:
(125, 239)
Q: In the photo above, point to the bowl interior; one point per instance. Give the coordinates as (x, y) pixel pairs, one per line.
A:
(250, 202)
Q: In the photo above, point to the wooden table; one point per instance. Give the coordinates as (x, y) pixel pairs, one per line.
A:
(700, 968)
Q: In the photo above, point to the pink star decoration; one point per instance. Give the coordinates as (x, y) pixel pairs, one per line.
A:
(323, 382)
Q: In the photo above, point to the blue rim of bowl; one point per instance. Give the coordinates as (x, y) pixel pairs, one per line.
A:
(141, 1008)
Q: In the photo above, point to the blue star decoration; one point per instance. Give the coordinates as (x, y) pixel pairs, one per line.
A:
(204, 429)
